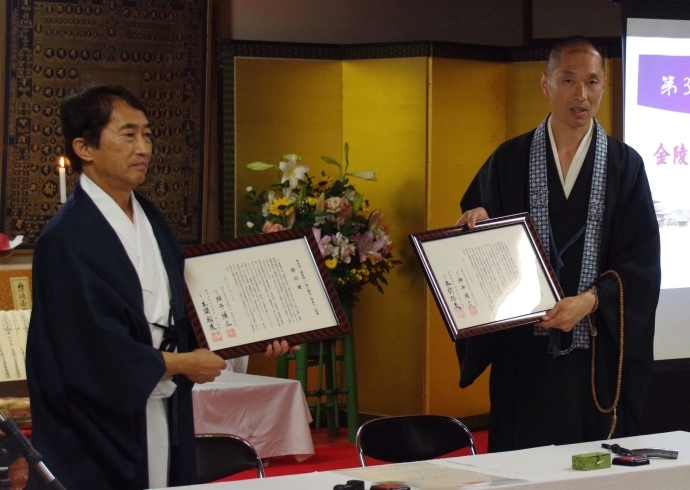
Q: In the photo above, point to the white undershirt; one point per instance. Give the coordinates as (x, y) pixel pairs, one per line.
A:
(142, 248)
(578, 159)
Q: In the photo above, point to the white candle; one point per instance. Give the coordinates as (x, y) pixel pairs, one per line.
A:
(63, 184)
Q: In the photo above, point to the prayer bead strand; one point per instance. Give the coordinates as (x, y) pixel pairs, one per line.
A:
(614, 406)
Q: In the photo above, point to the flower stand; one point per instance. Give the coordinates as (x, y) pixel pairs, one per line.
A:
(334, 360)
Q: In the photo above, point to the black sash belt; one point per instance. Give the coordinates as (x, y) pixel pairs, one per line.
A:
(170, 332)
(554, 347)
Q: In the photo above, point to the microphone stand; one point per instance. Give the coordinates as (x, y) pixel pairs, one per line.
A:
(17, 444)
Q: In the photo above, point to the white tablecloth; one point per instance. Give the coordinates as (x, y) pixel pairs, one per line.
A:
(271, 413)
(539, 468)
(551, 466)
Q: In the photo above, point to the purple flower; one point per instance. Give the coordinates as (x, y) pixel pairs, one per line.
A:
(317, 235)
(368, 246)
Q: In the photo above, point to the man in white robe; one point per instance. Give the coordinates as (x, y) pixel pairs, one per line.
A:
(111, 356)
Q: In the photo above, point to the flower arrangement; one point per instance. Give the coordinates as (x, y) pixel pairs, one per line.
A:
(354, 240)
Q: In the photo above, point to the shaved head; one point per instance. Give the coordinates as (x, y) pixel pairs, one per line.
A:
(572, 43)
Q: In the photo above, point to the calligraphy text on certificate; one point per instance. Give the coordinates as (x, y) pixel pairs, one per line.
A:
(252, 294)
(489, 276)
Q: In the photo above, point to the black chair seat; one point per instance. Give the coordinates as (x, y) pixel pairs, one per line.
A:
(222, 455)
(412, 438)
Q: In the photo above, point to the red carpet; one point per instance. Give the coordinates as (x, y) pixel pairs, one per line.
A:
(335, 457)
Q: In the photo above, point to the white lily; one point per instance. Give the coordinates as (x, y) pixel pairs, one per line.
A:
(366, 174)
(289, 193)
(292, 172)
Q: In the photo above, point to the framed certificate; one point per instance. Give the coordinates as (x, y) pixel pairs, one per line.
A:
(491, 277)
(245, 293)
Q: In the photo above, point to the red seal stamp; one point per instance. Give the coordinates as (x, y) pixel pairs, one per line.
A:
(230, 332)
(216, 336)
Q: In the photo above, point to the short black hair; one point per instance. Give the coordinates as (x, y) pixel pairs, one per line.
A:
(574, 43)
(85, 114)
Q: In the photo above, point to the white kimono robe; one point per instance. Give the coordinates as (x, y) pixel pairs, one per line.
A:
(140, 243)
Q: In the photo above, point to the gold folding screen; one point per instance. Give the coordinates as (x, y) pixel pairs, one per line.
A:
(427, 115)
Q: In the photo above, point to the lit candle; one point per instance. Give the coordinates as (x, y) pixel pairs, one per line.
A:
(63, 185)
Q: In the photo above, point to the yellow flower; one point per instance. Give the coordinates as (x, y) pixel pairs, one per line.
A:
(312, 201)
(280, 206)
(323, 183)
(331, 263)
(363, 210)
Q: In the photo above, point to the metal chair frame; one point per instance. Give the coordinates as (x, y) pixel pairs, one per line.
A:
(244, 446)
(361, 433)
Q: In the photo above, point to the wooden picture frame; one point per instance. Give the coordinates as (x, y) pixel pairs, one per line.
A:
(491, 277)
(243, 294)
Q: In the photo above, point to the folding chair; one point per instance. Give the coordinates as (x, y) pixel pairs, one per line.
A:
(221, 455)
(412, 438)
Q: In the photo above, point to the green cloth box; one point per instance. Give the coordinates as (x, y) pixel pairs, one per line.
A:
(591, 461)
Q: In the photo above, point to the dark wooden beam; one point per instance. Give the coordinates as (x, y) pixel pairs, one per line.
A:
(527, 21)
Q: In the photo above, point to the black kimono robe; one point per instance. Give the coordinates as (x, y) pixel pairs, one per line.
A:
(537, 400)
(90, 363)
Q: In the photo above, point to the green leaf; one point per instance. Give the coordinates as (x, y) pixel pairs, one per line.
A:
(347, 160)
(291, 155)
(347, 229)
(330, 160)
(337, 189)
(302, 193)
(320, 204)
(366, 175)
(358, 203)
(260, 166)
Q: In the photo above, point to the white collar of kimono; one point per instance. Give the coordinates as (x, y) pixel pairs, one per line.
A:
(141, 246)
(578, 159)
(126, 230)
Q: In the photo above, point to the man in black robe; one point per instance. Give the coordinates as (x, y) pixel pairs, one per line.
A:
(590, 200)
(92, 366)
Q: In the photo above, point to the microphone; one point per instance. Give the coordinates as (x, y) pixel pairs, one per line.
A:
(16, 444)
